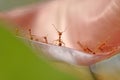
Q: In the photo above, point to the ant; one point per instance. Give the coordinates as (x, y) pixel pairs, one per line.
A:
(45, 40)
(32, 37)
(100, 47)
(59, 40)
(30, 33)
(85, 48)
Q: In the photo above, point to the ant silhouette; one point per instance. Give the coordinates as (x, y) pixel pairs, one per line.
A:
(59, 40)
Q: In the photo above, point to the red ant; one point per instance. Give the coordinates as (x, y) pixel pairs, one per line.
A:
(30, 33)
(85, 48)
(59, 40)
(100, 47)
(32, 37)
(45, 39)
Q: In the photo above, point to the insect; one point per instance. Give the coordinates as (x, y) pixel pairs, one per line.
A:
(32, 37)
(30, 34)
(45, 39)
(59, 40)
(99, 48)
(85, 48)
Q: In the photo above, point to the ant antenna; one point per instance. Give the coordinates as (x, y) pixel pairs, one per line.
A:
(58, 30)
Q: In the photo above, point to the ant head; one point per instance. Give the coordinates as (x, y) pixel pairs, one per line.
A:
(60, 33)
(45, 37)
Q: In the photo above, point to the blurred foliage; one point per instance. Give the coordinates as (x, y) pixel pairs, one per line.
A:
(8, 4)
(18, 62)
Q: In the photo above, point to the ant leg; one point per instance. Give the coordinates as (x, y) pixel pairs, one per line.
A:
(63, 43)
(55, 42)
(81, 45)
(90, 51)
